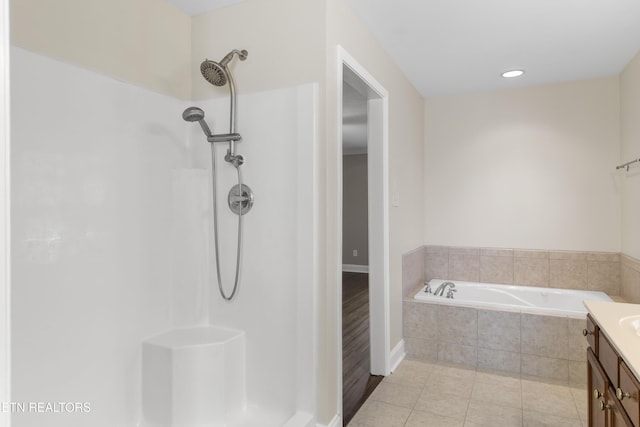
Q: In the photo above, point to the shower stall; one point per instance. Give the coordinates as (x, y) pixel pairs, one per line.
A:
(114, 266)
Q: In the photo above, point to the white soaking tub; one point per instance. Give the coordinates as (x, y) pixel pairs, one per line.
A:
(524, 299)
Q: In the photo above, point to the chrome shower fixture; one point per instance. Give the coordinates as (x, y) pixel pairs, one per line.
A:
(240, 198)
(216, 73)
(195, 114)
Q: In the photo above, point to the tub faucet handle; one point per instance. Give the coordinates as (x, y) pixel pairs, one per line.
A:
(442, 288)
(450, 293)
(427, 289)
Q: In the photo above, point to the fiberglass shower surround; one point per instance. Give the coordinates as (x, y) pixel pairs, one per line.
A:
(240, 198)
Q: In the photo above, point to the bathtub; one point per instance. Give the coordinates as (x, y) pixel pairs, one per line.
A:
(521, 330)
(524, 299)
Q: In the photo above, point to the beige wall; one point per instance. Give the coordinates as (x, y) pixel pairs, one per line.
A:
(284, 38)
(630, 149)
(145, 42)
(525, 168)
(406, 118)
(354, 210)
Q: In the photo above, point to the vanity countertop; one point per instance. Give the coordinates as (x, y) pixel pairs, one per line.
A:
(620, 322)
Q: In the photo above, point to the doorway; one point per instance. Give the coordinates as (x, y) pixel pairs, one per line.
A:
(363, 259)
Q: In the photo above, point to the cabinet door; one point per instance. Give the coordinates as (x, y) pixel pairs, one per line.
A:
(628, 393)
(618, 417)
(597, 383)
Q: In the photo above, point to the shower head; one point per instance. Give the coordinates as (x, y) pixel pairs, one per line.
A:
(195, 114)
(216, 72)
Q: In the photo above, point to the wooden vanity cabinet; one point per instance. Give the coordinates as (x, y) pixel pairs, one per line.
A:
(628, 392)
(613, 390)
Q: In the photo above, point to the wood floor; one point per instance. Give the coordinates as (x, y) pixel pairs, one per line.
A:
(357, 382)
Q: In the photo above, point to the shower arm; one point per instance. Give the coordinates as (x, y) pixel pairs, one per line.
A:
(233, 136)
(231, 152)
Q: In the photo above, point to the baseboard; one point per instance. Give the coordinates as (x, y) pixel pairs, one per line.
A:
(352, 268)
(397, 355)
(335, 422)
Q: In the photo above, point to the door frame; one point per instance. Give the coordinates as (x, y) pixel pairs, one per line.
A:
(378, 208)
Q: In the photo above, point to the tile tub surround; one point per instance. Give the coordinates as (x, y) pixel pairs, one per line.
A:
(542, 346)
(594, 271)
(412, 270)
(630, 286)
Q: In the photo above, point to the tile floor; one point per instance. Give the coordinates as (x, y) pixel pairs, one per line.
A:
(422, 394)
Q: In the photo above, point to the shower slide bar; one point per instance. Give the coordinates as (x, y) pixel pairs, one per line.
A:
(626, 165)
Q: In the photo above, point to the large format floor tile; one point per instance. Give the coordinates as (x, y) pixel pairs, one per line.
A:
(421, 394)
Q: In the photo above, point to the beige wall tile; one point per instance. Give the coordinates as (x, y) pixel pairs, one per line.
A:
(577, 343)
(530, 253)
(499, 330)
(437, 265)
(531, 271)
(568, 273)
(459, 250)
(497, 360)
(496, 269)
(544, 367)
(544, 336)
(441, 250)
(458, 325)
(630, 286)
(420, 320)
(459, 354)
(421, 349)
(496, 252)
(412, 271)
(570, 255)
(630, 262)
(603, 256)
(464, 267)
(604, 276)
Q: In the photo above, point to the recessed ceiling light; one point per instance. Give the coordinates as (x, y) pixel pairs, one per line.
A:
(512, 73)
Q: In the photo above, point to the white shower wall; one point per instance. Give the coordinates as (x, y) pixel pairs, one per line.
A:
(274, 302)
(111, 240)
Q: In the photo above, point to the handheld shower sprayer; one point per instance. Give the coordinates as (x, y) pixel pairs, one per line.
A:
(195, 114)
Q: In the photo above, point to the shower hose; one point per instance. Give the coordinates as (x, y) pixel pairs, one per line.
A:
(215, 229)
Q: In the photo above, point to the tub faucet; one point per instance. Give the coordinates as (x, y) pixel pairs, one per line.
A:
(442, 288)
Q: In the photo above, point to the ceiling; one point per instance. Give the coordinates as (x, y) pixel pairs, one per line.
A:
(447, 47)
